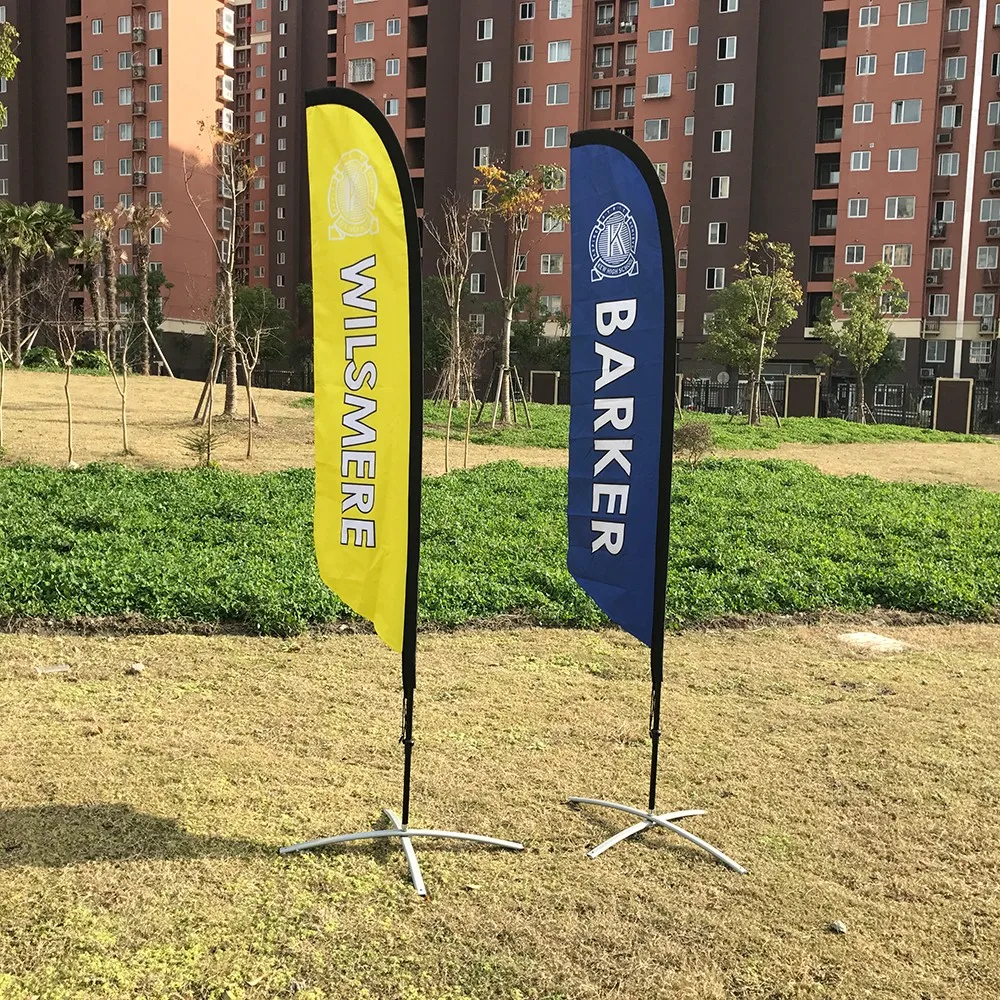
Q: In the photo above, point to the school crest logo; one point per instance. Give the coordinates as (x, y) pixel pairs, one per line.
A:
(613, 244)
(352, 195)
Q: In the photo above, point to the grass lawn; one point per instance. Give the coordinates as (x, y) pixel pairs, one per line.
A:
(748, 537)
(550, 429)
(140, 816)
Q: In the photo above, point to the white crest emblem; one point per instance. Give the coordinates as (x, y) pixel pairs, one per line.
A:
(351, 198)
(613, 243)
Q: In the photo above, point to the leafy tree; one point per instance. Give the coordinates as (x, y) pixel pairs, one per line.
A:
(8, 60)
(867, 302)
(530, 342)
(513, 199)
(141, 220)
(750, 313)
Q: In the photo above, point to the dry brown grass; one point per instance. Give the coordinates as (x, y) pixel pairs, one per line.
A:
(140, 816)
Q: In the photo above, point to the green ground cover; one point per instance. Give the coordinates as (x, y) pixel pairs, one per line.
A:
(748, 537)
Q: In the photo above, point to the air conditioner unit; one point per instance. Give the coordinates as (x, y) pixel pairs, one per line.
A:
(946, 90)
(623, 115)
(138, 71)
(599, 74)
(927, 373)
(138, 36)
(995, 182)
(626, 71)
(944, 138)
(993, 232)
(139, 179)
(986, 324)
(933, 278)
(626, 26)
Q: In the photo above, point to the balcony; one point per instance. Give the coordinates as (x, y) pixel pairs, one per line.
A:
(952, 40)
(932, 324)
(824, 218)
(991, 279)
(944, 138)
(823, 263)
(827, 170)
(139, 144)
(942, 185)
(835, 27)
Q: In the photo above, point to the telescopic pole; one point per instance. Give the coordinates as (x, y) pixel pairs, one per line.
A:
(407, 740)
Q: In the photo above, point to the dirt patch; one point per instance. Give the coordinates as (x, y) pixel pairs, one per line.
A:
(140, 816)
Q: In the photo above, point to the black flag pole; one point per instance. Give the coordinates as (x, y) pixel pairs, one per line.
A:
(399, 825)
(611, 262)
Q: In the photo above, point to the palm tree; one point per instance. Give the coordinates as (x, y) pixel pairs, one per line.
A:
(89, 252)
(143, 218)
(105, 223)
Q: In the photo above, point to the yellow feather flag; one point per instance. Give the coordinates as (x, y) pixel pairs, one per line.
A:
(368, 383)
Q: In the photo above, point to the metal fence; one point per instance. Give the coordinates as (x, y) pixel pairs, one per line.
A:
(706, 396)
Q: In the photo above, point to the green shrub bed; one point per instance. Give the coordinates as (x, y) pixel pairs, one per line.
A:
(748, 537)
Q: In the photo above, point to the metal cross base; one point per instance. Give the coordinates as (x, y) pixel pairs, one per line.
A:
(404, 833)
(650, 819)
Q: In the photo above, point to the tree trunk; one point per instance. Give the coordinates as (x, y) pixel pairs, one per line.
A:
(447, 434)
(508, 323)
(753, 401)
(3, 385)
(15, 315)
(97, 304)
(143, 261)
(859, 404)
(124, 396)
(229, 362)
(249, 376)
(455, 375)
(69, 416)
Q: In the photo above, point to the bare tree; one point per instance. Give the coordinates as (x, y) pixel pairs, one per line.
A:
(234, 173)
(142, 219)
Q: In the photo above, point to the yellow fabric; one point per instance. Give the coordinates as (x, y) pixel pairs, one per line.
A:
(360, 295)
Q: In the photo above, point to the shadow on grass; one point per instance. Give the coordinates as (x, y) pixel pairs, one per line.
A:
(57, 835)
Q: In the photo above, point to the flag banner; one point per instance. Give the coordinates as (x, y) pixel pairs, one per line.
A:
(622, 367)
(368, 358)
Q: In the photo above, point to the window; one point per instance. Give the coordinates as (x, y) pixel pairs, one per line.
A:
(727, 47)
(692, 79)
(725, 94)
(989, 210)
(155, 93)
(484, 72)
(125, 96)
(97, 26)
(125, 60)
(941, 258)
(481, 156)
(552, 224)
(522, 137)
(559, 51)
(855, 254)
(527, 11)
(857, 208)
(155, 20)
(551, 263)
(983, 304)
(156, 57)
(715, 278)
(869, 17)
(861, 159)
(980, 352)
(905, 112)
(98, 168)
(687, 170)
(661, 3)
(661, 40)
(392, 67)
(156, 236)
(602, 99)
(722, 140)
(628, 96)
(900, 207)
(482, 114)
(689, 125)
(98, 62)
(364, 31)
(682, 259)
(484, 29)
(556, 180)
(392, 26)
(958, 19)
(125, 166)
(125, 237)
(558, 93)
(655, 129)
(477, 242)
(728, 6)
(948, 164)
(477, 283)
(951, 116)
(659, 85)
(944, 211)
(556, 136)
(98, 202)
(991, 163)
(124, 24)
(524, 95)
(914, 12)
(559, 9)
(260, 71)
(360, 70)
(631, 53)
(902, 160)
(661, 172)
(720, 187)
(908, 63)
(391, 107)
(986, 258)
(864, 114)
(125, 132)
(525, 53)
(866, 65)
(551, 303)
(605, 13)
(156, 199)
(693, 35)
(98, 133)
(954, 68)
(684, 216)
(936, 351)
(897, 254)
(717, 233)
